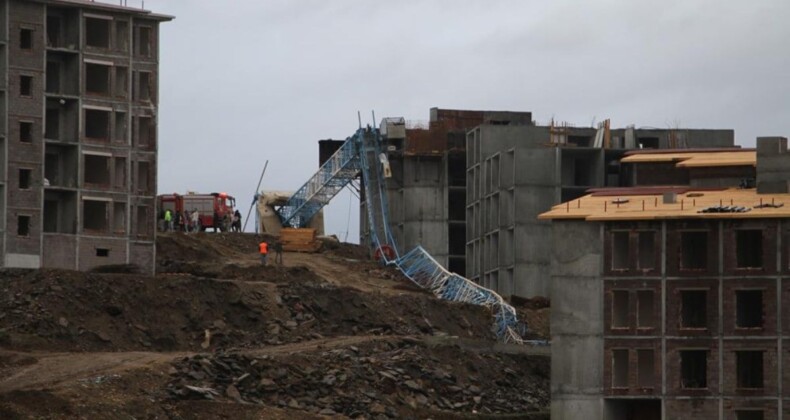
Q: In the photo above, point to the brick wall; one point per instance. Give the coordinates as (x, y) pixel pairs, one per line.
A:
(88, 252)
(60, 251)
(694, 409)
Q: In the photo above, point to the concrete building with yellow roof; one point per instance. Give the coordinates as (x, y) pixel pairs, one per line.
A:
(672, 301)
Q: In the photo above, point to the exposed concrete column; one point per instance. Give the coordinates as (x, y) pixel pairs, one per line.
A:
(773, 165)
(577, 321)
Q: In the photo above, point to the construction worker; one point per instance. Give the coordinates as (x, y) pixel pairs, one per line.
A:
(168, 220)
(278, 253)
(263, 248)
(195, 220)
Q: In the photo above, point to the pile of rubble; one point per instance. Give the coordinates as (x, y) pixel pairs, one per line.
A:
(391, 377)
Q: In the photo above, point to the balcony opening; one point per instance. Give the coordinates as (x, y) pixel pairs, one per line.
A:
(620, 309)
(693, 369)
(97, 124)
(97, 79)
(749, 367)
(646, 372)
(60, 212)
(619, 368)
(25, 85)
(749, 248)
(645, 309)
(694, 250)
(749, 308)
(25, 131)
(620, 250)
(97, 32)
(60, 165)
(647, 250)
(97, 170)
(693, 309)
(26, 39)
(95, 215)
(23, 225)
(24, 179)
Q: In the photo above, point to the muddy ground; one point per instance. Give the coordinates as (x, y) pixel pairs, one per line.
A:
(216, 335)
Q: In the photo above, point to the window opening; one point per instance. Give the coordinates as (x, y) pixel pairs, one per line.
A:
(619, 250)
(645, 309)
(97, 32)
(95, 215)
(97, 170)
(97, 79)
(26, 85)
(693, 309)
(97, 124)
(749, 248)
(619, 368)
(749, 366)
(23, 225)
(24, 179)
(749, 308)
(647, 250)
(25, 131)
(749, 415)
(102, 252)
(646, 375)
(26, 39)
(694, 250)
(620, 309)
(694, 369)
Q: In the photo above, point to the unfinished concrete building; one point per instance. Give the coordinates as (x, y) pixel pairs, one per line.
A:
(672, 303)
(427, 190)
(516, 172)
(78, 125)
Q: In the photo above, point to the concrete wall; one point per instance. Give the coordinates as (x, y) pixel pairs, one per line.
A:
(576, 321)
(773, 165)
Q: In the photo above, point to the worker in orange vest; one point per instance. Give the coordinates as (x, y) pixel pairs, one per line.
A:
(263, 247)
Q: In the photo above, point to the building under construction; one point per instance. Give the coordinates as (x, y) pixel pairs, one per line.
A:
(78, 125)
(671, 302)
(469, 185)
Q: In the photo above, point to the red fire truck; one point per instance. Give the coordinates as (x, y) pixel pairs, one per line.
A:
(215, 209)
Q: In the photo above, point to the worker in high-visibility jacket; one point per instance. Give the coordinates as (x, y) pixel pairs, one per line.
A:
(263, 248)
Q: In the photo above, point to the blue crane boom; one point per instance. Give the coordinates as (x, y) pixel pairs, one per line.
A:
(362, 153)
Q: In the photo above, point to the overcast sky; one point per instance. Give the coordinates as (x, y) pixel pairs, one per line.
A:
(244, 81)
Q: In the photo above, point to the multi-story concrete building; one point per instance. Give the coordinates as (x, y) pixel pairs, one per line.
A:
(427, 190)
(516, 172)
(672, 303)
(78, 126)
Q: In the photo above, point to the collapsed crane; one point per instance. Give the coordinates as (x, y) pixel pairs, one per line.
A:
(362, 153)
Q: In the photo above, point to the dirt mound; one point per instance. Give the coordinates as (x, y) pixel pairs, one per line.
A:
(327, 333)
(394, 378)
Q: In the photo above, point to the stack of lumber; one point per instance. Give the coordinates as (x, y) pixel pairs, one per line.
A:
(299, 240)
